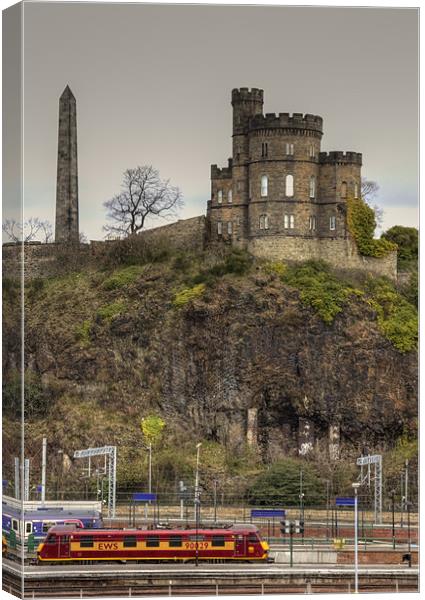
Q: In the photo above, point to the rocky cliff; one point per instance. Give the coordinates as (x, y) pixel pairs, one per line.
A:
(240, 356)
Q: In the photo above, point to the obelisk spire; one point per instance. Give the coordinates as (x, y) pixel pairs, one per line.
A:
(66, 229)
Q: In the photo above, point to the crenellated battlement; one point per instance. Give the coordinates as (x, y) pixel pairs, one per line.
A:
(222, 173)
(286, 120)
(339, 157)
(246, 94)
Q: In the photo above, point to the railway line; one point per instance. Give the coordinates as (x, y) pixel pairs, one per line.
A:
(129, 580)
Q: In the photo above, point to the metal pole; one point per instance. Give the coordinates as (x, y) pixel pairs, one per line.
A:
(198, 448)
(27, 479)
(215, 501)
(393, 523)
(43, 472)
(401, 500)
(406, 481)
(327, 509)
(356, 556)
(291, 544)
(409, 547)
(17, 495)
(150, 469)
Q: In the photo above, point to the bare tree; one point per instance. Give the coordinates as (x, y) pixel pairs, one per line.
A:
(31, 228)
(46, 230)
(370, 190)
(144, 194)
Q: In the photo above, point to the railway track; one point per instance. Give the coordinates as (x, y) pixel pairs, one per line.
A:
(215, 584)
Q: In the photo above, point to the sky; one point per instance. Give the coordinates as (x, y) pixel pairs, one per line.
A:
(153, 86)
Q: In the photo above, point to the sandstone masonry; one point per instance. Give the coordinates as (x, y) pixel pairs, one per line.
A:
(280, 196)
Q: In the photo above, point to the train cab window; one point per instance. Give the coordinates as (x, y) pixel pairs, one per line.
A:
(51, 539)
(28, 527)
(86, 541)
(252, 538)
(175, 541)
(14, 525)
(130, 541)
(64, 539)
(152, 541)
(217, 540)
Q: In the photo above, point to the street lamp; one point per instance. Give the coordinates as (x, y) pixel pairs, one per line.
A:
(409, 540)
(197, 502)
(356, 486)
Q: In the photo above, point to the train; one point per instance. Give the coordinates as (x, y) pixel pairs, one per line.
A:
(67, 543)
(35, 521)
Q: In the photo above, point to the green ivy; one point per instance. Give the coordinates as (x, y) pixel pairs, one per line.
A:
(82, 332)
(319, 288)
(362, 223)
(397, 318)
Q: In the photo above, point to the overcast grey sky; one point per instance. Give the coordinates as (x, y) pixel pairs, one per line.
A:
(153, 86)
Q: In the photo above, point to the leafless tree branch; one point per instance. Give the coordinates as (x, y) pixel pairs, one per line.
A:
(143, 194)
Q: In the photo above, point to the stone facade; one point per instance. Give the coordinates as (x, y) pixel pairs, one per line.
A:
(282, 197)
(66, 229)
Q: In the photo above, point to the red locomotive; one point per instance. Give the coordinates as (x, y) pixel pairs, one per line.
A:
(66, 543)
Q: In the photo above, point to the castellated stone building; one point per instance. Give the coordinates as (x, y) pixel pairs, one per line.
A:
(280, 196)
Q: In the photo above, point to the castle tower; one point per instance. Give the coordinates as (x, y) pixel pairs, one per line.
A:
(66, 227)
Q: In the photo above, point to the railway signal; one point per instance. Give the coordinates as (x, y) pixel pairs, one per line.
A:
(292, 527)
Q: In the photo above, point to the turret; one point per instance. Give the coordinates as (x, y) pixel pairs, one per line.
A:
(246, 104)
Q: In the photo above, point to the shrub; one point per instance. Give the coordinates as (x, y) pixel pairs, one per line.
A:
(397, 318)
(280, 485)
(109, 311)
(82, 332)
(319, 288)
(188, 294)
(275, 268)
(123, 277)
(362, 223)
(236, 262)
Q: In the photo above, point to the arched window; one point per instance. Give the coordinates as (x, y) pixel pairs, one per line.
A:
(230, 196)
(312, 223)
(219, 227)
(289, 185)
(290, 149)
(220, 196)
(312, 151)
(264, 222)
(229, 227)
(356, 190)
(312, 187)
(264, 186)
(343, 189)
(332, 223)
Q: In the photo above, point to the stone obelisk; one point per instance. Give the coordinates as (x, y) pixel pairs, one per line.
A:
(66, 228)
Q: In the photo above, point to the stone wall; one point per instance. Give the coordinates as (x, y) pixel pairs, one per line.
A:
(342, 254)
(50, 260)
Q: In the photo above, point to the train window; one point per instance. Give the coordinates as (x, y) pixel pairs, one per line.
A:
(47, 525)
(14, 525)
(217, 540)
(51, 539)
(130, 541)
(252, 538)
(64, 539)
(86, 541)
(175, 541)
(28, 527)
(152, 541)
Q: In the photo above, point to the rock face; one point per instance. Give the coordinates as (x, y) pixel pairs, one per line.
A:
(244, 363)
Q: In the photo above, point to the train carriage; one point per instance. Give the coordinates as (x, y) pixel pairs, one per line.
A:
(68, 544)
